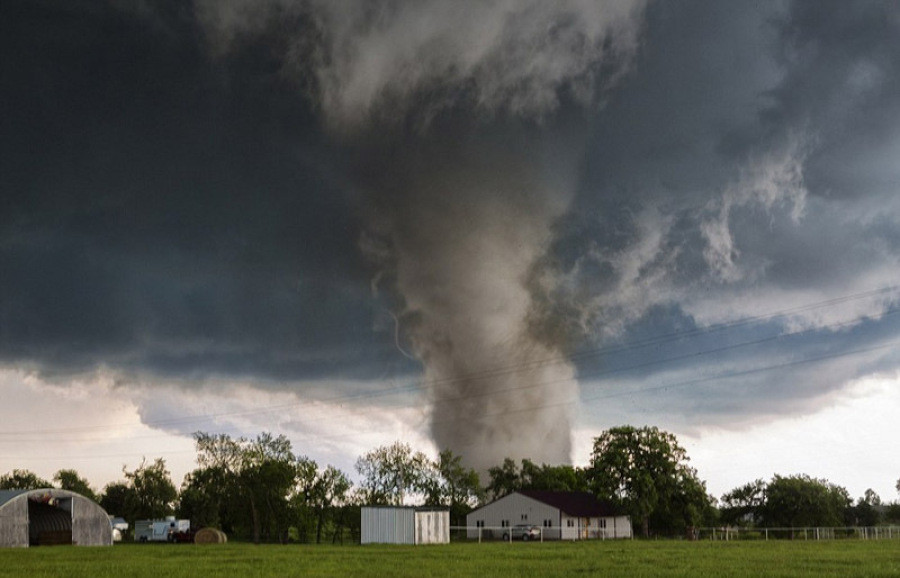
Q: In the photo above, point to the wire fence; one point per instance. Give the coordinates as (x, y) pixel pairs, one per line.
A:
(812, 533)
(541, 534)
(532, 533)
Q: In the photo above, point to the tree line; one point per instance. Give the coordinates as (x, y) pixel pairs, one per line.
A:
(259, 489)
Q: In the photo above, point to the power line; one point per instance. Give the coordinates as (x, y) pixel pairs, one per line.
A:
(194, 419)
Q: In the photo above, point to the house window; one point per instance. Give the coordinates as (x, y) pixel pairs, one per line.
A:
(548, 523)
(504, 523)
(479, 523)
(524, 517)
(603, 522)
(570, 523)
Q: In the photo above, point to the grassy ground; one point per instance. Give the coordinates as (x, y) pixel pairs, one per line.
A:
(621, 558)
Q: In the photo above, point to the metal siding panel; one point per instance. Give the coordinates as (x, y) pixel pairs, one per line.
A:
(432, 527)
(14, 523)
(90, 523)
(387, 525)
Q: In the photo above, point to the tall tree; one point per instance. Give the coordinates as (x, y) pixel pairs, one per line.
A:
(745, 504)
(302, 497)
(115, 499)
(505, 479)
(266, 475)
(563, 478)
(645, 471)
(212, 493)
(247, 482)
(23, 480)
(330, 490)
(153, 494)
(391, 473)
(867, 511)
(454, 486)
(797, 501)
(70, 480)
(202, 498)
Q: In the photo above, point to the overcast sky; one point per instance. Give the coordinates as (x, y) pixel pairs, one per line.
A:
(500, 227)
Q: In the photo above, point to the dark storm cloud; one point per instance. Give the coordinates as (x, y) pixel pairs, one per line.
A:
(193, 189)
(163, 211)
(748, 166)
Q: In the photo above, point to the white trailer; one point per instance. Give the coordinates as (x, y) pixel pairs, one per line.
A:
(168, 530)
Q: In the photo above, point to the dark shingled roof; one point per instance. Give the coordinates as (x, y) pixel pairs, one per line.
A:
(579, 504)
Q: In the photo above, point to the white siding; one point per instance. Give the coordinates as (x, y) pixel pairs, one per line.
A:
(387, 525)
(618, 527)
(433, 527)
(489, 521)
(596, 528)
(571, 528)
(514, 509)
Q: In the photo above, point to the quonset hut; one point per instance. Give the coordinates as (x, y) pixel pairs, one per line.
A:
(51, 516)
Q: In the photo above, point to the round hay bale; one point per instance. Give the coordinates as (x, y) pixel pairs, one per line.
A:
(210, 536)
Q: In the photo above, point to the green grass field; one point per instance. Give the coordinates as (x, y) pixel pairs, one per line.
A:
(621, 558)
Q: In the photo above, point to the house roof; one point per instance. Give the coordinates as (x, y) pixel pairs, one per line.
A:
(579, 504)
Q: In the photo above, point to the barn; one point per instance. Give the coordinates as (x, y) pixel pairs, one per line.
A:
(51, 516)
(404, 525)
(559, 515)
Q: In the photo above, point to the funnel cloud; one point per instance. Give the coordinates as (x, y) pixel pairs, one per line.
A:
(463, 98)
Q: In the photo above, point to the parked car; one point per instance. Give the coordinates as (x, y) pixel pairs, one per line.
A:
(523, 532)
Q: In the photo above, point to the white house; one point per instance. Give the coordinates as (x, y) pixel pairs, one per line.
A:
(560, 515)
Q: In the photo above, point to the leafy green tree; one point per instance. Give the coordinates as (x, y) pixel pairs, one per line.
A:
(267, 477)
(508, 478)
(23, 480)
(745, 504)
(562, 478)
(866, 512)
(115, 498)
(454, 486)
(505, 479)
(153, 494)
(70, 480)
(301, 498)
(242, 484)
(892, 514)
(329, 491)
(798, 501)
(391, 473)
(211, 494)
(200, 499)
(645, 471)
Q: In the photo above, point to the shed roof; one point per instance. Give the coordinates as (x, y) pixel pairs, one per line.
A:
(580, 504)
(7, 495)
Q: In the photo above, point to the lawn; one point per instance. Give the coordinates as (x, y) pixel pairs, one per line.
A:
(620, 558)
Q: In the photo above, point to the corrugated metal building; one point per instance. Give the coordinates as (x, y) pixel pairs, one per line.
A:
(51, 516)
(560, 516)
(404, 525)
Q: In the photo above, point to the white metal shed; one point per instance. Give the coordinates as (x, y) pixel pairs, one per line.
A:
(404, 525)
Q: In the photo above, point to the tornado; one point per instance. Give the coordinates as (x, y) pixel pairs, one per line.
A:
(461, 123)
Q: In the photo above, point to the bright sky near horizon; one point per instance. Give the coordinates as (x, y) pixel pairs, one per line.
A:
(499, 227)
